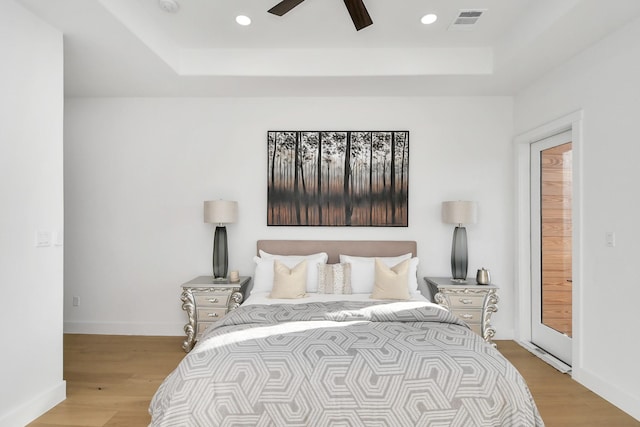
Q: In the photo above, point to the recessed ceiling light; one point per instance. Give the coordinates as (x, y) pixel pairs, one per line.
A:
(429, 18)
(243, 20)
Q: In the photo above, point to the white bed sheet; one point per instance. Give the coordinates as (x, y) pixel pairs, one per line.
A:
(263, 298)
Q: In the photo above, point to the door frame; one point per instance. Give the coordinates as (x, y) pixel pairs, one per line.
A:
(543, 335)
(571, 122)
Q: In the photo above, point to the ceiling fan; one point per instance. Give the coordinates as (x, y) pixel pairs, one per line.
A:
(356, 8)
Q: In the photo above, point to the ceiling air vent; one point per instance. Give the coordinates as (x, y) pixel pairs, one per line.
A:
(466, 19)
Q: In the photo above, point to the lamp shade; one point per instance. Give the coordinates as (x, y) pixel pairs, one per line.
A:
(460, 212)
(220, 211)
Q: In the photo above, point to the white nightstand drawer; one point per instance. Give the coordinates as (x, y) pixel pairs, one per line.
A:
(211, 314)
(466, 301)
(202, 326)
(212, 299)
(476, 327)
(469, 316)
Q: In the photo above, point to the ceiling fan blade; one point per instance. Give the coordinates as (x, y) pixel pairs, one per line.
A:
(284, 6)
(359, 14)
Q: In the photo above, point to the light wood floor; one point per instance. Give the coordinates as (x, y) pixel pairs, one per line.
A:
(111, 379)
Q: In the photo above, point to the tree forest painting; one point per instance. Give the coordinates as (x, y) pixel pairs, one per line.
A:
(338, 178)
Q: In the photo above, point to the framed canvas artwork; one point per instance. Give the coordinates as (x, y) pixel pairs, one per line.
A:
(338, 178)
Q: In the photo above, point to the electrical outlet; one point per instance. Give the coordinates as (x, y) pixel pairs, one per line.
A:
(610, 237)
(58, 238)
(76, 301)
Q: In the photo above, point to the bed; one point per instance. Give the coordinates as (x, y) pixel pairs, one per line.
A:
(328, 358)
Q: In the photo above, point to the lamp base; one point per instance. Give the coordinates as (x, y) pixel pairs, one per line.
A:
(220, 257)
(459, 254)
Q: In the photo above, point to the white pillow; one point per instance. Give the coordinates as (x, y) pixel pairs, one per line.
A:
(413, 276)
(267, 255)
(363, 272)
(263, 275)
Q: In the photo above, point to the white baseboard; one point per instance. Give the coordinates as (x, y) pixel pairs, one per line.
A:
(620, 398)
(35, 407)
(504, 334)
(124, 328)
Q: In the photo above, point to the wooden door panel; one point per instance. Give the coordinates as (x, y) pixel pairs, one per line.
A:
(556, 235)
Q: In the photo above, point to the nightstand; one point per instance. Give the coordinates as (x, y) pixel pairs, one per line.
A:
(206, 301)
(471, 302)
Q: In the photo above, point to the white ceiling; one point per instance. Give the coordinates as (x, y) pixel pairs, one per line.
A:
(133, 48)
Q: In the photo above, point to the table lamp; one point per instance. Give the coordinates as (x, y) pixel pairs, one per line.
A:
(459, 213)
(220, 212)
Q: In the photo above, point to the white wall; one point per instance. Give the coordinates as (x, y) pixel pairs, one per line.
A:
(138, 170)
(603, 81)
(31, 183)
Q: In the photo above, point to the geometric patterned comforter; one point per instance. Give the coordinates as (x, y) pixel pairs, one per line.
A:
(343, 364)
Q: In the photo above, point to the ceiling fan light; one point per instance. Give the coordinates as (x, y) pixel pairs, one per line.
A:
(429, 18)
(243, 20)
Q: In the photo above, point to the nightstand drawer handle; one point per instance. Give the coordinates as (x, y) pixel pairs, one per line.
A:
(466, 301)
(213, 300)
(467, 316)
(212, 314)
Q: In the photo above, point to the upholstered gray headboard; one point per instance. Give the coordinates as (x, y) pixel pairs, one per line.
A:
(336, 247)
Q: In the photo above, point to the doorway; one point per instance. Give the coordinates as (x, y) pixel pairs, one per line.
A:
(551, 191)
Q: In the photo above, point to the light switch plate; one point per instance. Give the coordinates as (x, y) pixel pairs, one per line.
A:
(43, 239)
